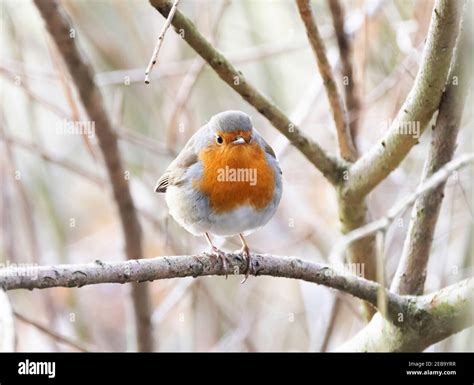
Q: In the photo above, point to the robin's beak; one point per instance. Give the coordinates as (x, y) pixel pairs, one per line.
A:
(238, 140)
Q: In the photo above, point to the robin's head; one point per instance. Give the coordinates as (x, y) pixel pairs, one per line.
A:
(231, 128)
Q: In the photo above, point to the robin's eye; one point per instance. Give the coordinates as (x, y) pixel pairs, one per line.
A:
(219, 139)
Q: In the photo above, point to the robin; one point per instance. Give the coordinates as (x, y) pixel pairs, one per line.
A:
(226, 181)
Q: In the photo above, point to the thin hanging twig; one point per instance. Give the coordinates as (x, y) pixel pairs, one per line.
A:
(159, 43)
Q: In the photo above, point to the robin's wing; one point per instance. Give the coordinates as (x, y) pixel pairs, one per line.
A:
(162, 183)
(268, 149)
(176, 170)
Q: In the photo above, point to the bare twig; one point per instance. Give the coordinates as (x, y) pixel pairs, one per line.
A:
(180, 67)
(411, 272)
(161, 38)
(59, 25)
(345, 52)
(51, 333)
(346, 147)
(242, 55)
(431, 183)
(330, 166)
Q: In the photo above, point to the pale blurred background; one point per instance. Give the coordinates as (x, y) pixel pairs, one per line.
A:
(56, 207)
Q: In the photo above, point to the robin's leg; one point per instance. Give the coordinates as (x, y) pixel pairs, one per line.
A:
(246, 253)
(218, 253)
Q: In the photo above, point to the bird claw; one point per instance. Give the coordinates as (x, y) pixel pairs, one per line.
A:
(220, 255)
(246, 254)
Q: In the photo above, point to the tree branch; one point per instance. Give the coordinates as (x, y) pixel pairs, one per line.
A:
(345, 52)
(143, 270)
(60, 27)
(422, 101)
(411, 273)
(376, 164)
(429, 186)
(346, 147)
(51, 333)
(161, 38)
(330, 166)
(353, 215)
(441, 314)
(437, 314)
(433, 318)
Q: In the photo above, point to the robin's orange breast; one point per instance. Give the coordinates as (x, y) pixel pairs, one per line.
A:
(236, 175)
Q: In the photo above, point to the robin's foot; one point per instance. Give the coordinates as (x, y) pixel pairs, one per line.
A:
(222, 256)
(246, 254)
(218, 253)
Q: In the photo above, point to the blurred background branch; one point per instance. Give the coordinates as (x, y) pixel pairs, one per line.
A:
(60, 29)
(347, 68)
(52, 334)
(346, 146)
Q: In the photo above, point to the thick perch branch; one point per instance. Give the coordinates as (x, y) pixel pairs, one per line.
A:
(328, 165)
(422, 101)
(437, 315)
(346, 147)
(59, 27)
(143, 270)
